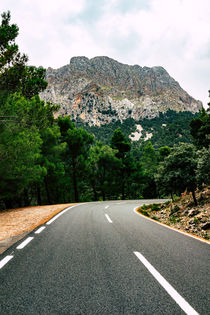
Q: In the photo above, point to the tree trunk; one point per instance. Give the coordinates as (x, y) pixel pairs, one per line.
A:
(194, 198)
(123, 184)
(172, 197)
(95, 194)
(76, 195)
(47, 191)
(26, 198)
(39, 200)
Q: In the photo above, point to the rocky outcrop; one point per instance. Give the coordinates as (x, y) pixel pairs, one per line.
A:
(102, 90)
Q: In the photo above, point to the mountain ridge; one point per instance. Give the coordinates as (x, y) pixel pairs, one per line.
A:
(102, 90)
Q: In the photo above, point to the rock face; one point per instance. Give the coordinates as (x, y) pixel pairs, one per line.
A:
(102, 90)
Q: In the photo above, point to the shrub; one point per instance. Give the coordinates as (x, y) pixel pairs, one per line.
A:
(155, 218)
(144, 212)
(155, 207)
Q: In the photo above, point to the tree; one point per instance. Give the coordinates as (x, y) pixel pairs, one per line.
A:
(12, 63)
(20, 145)
(200, 129)
(51, 161)
(178, 170)
(78, 143)
(163, 152)
(203, 167)
(15, 75)
(149, 163)
(102, 166)
(119, 142)
(122, 145)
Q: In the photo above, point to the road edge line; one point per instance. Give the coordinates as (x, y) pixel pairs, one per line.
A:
(51, 220)
(172, 228)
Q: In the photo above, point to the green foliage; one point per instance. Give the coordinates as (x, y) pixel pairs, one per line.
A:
(163, 152)
(15, 75)
(78, 142)
(155, 218)
(178, 170)
(119, 143)
(12, 63)
(177, 129)
(20, 146)
(203, 167)
(155, 207)
(200, 129)
(102, 170)
(144, 212)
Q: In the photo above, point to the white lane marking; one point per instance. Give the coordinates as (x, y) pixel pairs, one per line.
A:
(173, 229)
(60, 213)
(40, 229)
(24, 243)
(106, 207)
(5, 260)
(108, 218)
(185, 306)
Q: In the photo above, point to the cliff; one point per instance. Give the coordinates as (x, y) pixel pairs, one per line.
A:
(101, 90)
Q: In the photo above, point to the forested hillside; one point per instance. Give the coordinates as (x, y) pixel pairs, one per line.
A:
(48, 160)
(168, 129)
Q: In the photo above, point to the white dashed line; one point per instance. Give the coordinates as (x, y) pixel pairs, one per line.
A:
(106, 207)
(40, 230)
(5, 260)
(169, 289)
(24, 243)
(108, 218)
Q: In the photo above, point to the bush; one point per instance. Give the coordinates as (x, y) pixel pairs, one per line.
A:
(145, 207)
(144, 212)
(155, 207)
(155, 218)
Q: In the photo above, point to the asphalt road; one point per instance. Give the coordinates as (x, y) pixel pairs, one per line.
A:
(103, 258)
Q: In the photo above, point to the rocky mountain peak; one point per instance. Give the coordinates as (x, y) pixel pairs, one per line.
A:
(101, 90)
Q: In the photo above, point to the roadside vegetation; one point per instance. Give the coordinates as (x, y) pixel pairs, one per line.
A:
(48, 160)
(183, 214)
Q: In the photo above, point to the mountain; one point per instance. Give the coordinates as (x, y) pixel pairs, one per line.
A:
(100, 91)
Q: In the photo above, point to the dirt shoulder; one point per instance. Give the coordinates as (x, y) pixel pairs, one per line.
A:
(16, 223)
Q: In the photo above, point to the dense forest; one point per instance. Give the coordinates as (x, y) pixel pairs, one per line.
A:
(44, 160)
(168, 129)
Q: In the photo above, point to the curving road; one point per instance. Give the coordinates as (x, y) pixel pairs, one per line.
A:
(104, 258)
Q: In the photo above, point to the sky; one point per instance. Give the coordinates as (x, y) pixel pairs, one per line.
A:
(174, 34)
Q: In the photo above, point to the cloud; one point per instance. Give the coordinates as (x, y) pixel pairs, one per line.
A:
(174, 34)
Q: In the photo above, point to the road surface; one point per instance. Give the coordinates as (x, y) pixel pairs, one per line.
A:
(104, 258)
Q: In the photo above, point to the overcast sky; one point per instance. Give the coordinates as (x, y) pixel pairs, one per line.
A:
(174, 34)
